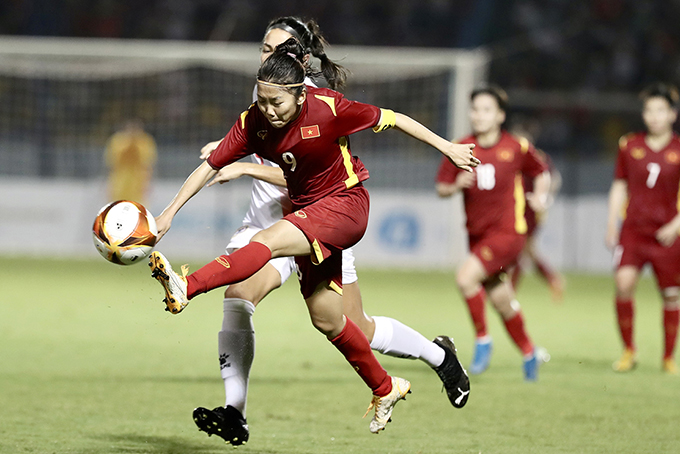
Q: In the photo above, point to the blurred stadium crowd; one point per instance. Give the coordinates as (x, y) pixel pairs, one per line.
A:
(548, 44)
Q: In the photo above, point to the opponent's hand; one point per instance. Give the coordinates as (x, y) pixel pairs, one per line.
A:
(209, 148)
(231, 172)
(667, 234)
(461, 156)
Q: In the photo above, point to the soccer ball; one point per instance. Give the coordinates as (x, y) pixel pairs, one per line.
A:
(124, 232)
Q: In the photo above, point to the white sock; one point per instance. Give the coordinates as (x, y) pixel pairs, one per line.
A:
(393, 338)
(236, 346)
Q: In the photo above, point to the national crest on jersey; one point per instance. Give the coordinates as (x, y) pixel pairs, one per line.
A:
(653, 181)
(313, 150)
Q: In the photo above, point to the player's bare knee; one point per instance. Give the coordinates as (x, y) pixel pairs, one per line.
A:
(241, 292)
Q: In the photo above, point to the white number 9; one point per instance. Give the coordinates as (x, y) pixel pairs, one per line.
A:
(289, 159)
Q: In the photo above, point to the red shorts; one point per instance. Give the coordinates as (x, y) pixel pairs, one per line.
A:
(497, 251)
(331, 224)
(636, 250)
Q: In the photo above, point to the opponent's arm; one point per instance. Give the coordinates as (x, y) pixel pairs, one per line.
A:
(269, 174)
(459, 154)
(618, 194)
(191, 186)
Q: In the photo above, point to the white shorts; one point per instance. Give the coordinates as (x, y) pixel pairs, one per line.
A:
(286, 265)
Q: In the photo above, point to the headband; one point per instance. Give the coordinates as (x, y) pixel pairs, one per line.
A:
(292, 31)
(271, 84)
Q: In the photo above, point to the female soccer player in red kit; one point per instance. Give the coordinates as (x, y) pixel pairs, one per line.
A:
(647, 177)
(494, 205)
(304, 130)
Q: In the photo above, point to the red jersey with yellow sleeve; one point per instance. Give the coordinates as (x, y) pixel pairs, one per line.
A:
(653, 179)
(496, 202)
(313, 150)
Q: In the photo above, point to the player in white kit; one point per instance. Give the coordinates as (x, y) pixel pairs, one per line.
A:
(268, 204)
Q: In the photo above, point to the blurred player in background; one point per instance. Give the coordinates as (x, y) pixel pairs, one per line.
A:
(130, 156)
(494, 205)
(304, 130)
(269, 203)
(647, 178)
(530, 252)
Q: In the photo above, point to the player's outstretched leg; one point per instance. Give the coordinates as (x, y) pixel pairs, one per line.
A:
(384, 405)
(482, 355)
(452, 374)
(227, 423)
(174, 285)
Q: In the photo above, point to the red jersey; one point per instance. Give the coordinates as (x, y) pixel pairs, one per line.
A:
(653, 179)
(312, 150)
(496, 202)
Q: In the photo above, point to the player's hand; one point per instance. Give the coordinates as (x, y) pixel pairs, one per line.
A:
(536, 202)
(209, 148)
(461, 156)
(611, 238)
(466, 180)
(667, 234)
(163, 223)
(231, 172)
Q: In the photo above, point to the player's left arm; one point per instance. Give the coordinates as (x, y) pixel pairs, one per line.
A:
(668, 233)
(538, 200)
(460, 154)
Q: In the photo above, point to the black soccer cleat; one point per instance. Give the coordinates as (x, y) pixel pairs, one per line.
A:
(227, 423)
(452, 374)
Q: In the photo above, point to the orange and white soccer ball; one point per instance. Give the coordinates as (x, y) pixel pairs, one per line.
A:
(124, 232)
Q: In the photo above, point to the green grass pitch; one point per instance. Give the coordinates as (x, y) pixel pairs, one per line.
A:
(90, 363)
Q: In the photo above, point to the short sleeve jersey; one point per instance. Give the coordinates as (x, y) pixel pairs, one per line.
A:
(496, 202)
(313, 150)
(653, 179)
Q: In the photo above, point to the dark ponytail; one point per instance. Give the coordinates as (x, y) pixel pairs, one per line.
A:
(285, 67)
(310, 37)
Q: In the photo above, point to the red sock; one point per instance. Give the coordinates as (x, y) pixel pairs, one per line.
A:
(353, 344)
(624, 314)
(545, 270)
(228, 269)
(515, 327)
(477, 313)
(671, 319)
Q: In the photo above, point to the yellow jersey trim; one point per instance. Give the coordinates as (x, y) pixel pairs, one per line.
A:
(335, 287)
(524, 144)
(352, 178)
(328, 100)
(520, 206)
(387, 120)
(243, 119)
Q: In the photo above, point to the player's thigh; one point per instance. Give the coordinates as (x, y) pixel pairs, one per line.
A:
(626, 278)
(257, 286)
(325, 310)
(470, 274)
(284, 239)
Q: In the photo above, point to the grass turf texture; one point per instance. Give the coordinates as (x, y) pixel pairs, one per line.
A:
(90, 363)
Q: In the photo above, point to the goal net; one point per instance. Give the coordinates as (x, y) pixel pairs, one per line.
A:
(60, 100)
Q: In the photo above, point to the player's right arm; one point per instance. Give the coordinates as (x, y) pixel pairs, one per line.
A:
(463, 180)
(191, 186)
(618, 194)
(268, 174)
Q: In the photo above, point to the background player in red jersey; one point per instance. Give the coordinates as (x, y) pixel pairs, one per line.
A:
(304, 130)
(494, 205)
(236, 339)
(647, 176)
(534, 220)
